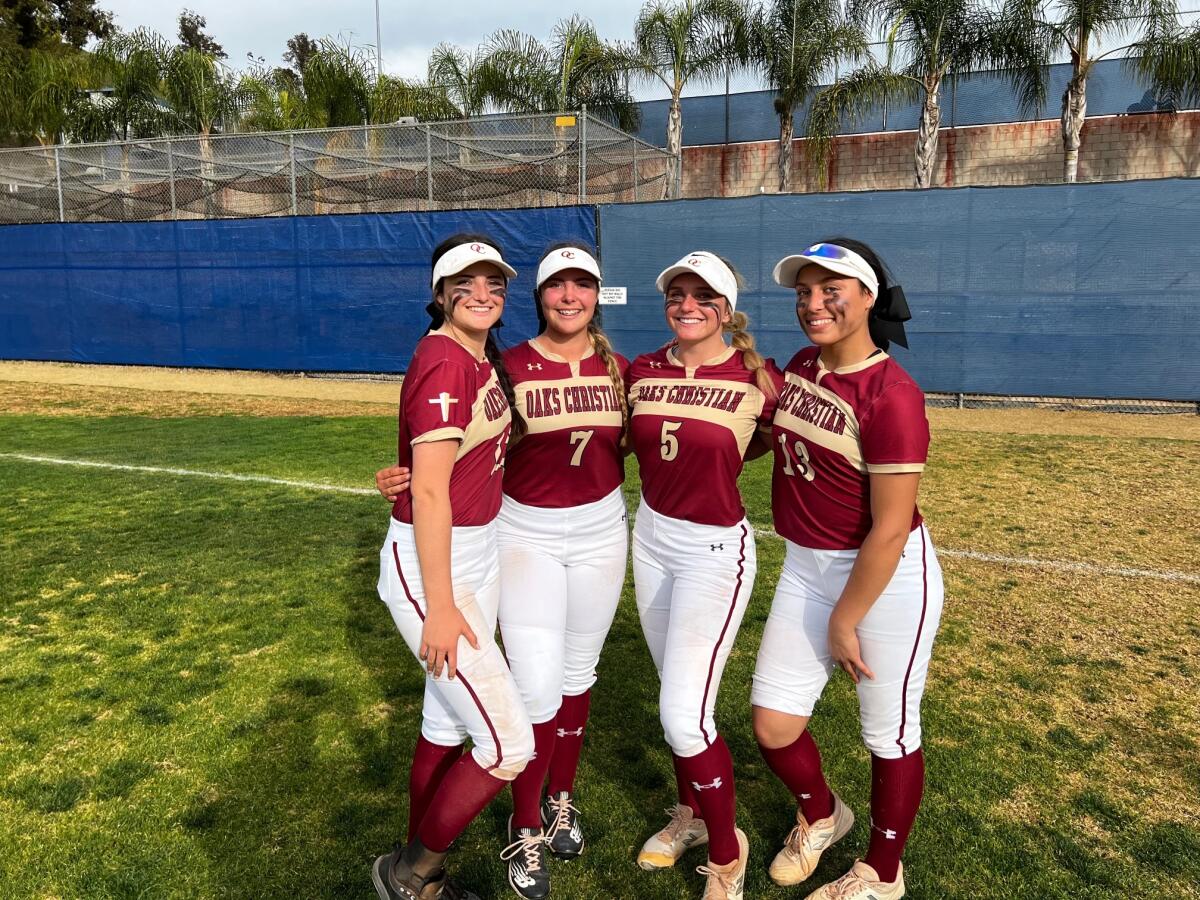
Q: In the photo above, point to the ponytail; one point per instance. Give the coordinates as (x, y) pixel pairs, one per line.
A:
(604, 349)
(742, 340)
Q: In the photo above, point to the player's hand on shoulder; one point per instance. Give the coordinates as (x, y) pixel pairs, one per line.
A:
(444, 625)
(392, 481)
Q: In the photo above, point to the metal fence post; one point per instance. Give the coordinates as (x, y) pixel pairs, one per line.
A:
(583, 155)
(58, 182)
(292, 166)
(429, 165)
(171, 177)
(635, 172)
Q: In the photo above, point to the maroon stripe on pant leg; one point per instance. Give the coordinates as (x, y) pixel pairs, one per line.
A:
(483, 712)
(712, 661)
(916, 644)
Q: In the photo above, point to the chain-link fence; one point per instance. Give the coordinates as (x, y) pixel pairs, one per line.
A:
(491, 162)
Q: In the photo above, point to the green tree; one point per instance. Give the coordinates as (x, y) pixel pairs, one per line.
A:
(300, 49)
(795, 43)
(925, 41)
(1171, 62)
(1078, 27)
(681, 42)
(574, 70)
(467, 80)
(192, 36)
(132, 64)
(51, 24)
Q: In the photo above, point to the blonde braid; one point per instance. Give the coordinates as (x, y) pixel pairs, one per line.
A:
(604, 350)
(744, 341)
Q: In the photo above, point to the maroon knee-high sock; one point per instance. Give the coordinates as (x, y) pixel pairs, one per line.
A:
(527, 787)
(896, 787)
(462, 795)
(687, 794)
(572, 719)
(710, 775)
(798, 766)
(430, 764)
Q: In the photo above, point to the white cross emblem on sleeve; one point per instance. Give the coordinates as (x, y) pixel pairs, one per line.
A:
(443, 400)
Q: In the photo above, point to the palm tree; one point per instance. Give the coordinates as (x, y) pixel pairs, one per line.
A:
(467, 80)
(576, 69)
(925, 41)
(132, 63)
(1172, 63)
(37, 92)
(337, 83)
(199, 90)
(677, 42)
(1078, 27)
(794, 43)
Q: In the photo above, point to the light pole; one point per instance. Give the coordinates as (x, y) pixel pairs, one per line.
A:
(378, 48)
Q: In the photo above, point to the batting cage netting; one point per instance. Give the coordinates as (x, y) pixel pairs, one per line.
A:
(487, 162)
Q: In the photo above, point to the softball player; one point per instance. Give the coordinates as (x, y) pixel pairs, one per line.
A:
(861, 588)
(694, 408)
(438, 566)
(562, 541)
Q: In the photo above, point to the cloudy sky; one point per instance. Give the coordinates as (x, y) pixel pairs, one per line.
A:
(410, 28)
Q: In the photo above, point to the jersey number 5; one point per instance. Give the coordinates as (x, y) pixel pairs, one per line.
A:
(581, 438)
(669, 447)
(801, 460)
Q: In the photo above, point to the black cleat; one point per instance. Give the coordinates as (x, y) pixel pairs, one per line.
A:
(560, 821)
(526, 856)
(395, 877)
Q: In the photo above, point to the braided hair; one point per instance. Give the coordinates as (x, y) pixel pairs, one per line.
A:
(491, 348)
(743, 340)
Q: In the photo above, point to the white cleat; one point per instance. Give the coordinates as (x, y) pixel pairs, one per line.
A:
(861, 883)
(728, 882)
(683, 832)
(805, 843)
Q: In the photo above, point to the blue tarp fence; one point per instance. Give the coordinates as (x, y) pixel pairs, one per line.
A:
(315, 293)
(1061, 290)
(1086, 290)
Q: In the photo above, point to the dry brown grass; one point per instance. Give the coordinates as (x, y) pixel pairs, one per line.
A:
(35, 398)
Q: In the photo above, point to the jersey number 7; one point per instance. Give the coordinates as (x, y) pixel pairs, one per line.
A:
(581, 438)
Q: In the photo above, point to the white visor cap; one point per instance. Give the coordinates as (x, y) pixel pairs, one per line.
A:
(464, 256)
(708, 266)
(827, 256)
(567, 258)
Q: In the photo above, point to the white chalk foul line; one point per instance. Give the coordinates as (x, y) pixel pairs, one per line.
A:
(1054, 565)
(195, 473)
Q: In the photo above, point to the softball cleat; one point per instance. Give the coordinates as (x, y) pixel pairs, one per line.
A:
(861, 883)
(727, 882)
(560, 821)
(805, 843)
(526, 858)
(395, 878)
(683, 831)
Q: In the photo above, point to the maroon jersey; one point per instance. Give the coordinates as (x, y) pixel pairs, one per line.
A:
(448, 395)
(833, 429)
(690, 428)
(571, 454)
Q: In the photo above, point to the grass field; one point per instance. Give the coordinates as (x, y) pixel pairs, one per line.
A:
(202, 696)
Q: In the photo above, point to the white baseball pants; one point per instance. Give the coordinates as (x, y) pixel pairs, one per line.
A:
(561, 573)
(482, 701)
(895, 638)
(693, 583)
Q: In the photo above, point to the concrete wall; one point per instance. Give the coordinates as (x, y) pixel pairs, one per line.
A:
(1151, 145)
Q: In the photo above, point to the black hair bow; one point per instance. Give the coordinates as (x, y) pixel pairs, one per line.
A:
(888, 316)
